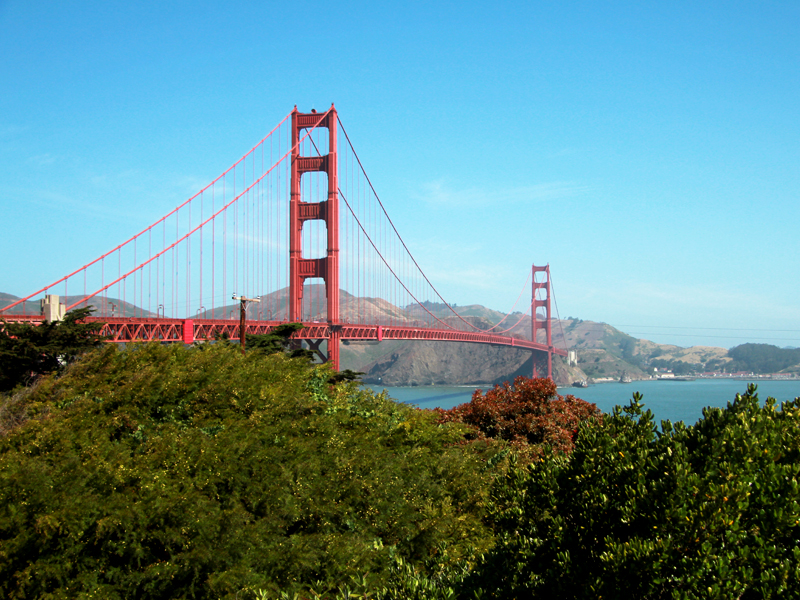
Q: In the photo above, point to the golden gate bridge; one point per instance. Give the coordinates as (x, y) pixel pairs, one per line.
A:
(297, 227)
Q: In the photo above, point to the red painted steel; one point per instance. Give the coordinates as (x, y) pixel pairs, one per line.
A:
(129, 329)
(141, 233)
(326, 268)
(188, 331)
(326, 210)
(536, 324)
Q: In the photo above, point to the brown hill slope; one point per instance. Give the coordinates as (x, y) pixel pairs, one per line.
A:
(602, 350)
(101, 304)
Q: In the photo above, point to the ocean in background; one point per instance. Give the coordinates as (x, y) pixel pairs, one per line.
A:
(672, 400)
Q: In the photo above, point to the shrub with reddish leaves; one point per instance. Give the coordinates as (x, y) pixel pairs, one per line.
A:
(530, 414)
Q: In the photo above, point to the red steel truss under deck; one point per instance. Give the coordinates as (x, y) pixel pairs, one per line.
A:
(128, 329)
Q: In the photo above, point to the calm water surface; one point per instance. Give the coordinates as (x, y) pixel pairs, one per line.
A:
(673, 400)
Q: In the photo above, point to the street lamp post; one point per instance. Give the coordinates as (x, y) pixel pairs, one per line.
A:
(242, 311)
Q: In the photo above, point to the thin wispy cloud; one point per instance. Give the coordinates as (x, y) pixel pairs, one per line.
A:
(569, 151)
(656, 304)
(421, 247)
(43, 160)
(68, 203)
(711, 298)
(108, 196)
(144, 180)
(185, 185)
(11, 130)
(441, 193)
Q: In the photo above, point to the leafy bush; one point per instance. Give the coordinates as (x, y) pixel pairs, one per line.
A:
(530, 414)
(708, 511)
(167, 472)
(28, 351)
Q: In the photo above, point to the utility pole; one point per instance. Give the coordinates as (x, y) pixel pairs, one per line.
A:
(242, 312)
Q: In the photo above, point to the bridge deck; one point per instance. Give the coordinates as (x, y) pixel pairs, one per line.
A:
(130, 329)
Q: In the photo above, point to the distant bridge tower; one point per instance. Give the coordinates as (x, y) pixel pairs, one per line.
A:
(326, 268)
(536, 324)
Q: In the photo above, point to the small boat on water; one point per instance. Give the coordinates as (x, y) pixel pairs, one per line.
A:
(580, 383)
(625, 378)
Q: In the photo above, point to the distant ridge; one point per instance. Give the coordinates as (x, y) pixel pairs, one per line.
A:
(603, 351)
(32, 307)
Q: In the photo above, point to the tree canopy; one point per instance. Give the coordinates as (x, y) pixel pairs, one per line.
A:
(195, 472)
(171, 472)
(29, 351)
(530, 414)
(707, 511)
(278, 340)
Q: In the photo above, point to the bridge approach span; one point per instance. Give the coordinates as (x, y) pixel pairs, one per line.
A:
(131, 329)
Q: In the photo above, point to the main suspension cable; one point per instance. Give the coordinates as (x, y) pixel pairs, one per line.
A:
(408, 252)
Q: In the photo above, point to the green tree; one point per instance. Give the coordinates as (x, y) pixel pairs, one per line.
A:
(28, 351)
(195, 472)
(707, 511)
(278, 340)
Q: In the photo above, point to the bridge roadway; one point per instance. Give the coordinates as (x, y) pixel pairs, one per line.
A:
(131, 329)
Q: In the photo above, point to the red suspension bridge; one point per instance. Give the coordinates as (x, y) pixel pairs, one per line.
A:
(296, 226)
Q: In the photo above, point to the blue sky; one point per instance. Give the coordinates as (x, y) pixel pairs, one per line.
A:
(648, 151)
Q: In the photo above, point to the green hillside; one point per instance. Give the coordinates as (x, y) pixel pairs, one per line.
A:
(764, 358)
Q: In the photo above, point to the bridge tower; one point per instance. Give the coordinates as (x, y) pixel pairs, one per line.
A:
(326, 268)
(536, 324)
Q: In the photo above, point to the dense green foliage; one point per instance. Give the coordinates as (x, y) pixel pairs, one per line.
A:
(172, 472)
(167, 472)
(530, 414)
(708, 511)
(763, 358)
(278, 340)
(28, 351)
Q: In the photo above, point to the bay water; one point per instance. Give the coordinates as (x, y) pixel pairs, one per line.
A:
(672, 400)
